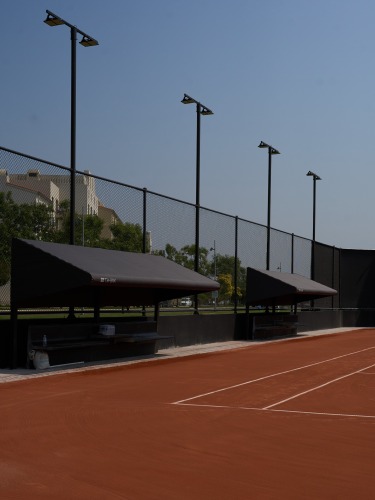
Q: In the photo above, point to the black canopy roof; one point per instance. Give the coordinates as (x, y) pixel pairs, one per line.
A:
(276, 288)
(53, 274)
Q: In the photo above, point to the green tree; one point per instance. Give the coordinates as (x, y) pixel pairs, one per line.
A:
(63, 223)
(4, 271)
(186, 257)
(225, 265)
(29, 221)
(226, 290)
(127, 237)
(87, 228)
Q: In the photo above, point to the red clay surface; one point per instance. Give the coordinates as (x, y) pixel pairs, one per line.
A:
(285, 420)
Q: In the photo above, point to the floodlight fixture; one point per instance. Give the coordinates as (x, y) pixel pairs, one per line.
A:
(206, 111)
(188, 100)
(271, 149)
(87, 41)
(203, 110)
(53, 20)
(315, 176)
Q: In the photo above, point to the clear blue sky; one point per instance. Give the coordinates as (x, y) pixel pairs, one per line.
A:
(297, 74)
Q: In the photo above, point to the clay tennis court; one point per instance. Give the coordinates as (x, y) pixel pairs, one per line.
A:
(288, 420)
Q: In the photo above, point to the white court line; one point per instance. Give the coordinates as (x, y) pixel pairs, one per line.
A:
(318, 387)
(298, 412)
(325, 414)
(270, 376)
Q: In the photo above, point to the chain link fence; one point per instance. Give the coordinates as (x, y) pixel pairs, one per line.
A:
(35, 204)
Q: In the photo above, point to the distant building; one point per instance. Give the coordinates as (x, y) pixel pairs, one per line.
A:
(110, 218)
(149, 241)
(86, 200)
(46, 194)
(50, 190)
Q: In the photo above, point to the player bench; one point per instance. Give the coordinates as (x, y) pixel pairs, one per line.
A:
(74, 343)
(277, 325)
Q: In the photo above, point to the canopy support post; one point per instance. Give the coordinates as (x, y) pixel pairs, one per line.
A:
(13, 337)
(97, 305)
(247, 322)
(156, 312)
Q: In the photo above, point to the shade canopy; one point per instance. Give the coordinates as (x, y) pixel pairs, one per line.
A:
(53, 274)
(270, 288)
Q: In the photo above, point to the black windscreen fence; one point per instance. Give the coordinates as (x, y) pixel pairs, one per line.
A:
(357, 279)
(326, 270)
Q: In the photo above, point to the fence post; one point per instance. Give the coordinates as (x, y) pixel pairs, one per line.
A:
(144, 235)
(13, 336)
(292, 255)
(235, 264)
(339, 278)
(312, 269)
(333, 273)
(144, 241)
(196, 257)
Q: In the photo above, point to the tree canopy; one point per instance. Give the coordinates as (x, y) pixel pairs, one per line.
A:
(22, 221)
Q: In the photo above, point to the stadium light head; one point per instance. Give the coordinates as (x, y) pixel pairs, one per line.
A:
(271, 149)
(87, 41)
(188, 100)
(315, 176)
(203, 110)
(206, 111)
(53, 20)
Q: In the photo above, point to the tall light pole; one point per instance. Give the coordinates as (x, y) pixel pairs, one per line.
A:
(271, 151)
(201, 110)
(87, 41)
(315, 178)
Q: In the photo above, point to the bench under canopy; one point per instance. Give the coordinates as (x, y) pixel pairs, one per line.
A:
(57, 275)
